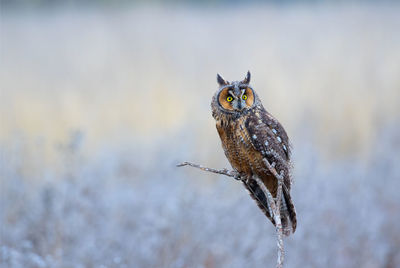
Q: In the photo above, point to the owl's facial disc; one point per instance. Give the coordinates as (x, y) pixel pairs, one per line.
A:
(236, 99)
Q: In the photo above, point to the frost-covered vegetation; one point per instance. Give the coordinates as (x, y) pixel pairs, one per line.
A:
(97, 107)
(118, 210)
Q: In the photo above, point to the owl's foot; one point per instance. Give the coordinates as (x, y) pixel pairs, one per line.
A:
(235, 175)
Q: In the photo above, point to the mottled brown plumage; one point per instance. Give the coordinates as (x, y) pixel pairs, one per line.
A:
(249, 136)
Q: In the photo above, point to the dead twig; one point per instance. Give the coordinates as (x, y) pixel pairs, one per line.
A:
(276, 207)
(275, 204)
(226, 172)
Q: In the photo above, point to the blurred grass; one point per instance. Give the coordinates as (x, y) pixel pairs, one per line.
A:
(142, 71)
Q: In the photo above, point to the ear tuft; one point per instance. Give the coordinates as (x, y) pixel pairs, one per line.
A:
(221, 81)
(247, 78)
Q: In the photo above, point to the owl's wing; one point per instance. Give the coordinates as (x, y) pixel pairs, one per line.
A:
(270, 139)
(276, 132)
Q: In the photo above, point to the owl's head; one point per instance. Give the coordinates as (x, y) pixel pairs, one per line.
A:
(236, 96)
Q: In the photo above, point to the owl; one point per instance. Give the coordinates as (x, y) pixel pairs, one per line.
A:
(249, 136)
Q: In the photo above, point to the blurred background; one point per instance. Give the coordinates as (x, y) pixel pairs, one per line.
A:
(101, 99)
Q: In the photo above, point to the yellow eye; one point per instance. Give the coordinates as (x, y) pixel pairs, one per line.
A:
(244, 97)
(229, 99)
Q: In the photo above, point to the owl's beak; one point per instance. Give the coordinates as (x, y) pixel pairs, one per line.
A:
(240, 106)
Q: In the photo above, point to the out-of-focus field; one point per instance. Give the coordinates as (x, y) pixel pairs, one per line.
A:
(97, 106)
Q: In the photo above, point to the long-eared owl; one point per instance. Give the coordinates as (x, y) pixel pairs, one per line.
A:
(250, 135)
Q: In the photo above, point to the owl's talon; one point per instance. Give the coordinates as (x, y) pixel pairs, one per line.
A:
(236, 175)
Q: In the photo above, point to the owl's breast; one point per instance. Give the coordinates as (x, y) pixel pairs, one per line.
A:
(237, 145)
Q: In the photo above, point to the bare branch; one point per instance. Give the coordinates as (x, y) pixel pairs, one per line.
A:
(275, 211)
(276, 207)
(226, 172)
(278, 224)
(274, 204)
